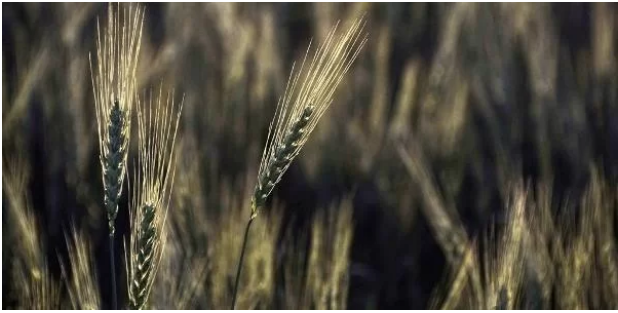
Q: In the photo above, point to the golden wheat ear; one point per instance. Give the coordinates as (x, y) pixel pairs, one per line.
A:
(308, 94)
(158, 119)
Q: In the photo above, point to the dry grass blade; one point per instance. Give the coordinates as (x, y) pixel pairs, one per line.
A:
(113, 82)
(158, 121)
(82, 284)
(308, 94)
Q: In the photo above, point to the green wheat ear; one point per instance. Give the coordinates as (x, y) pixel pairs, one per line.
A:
(282, 157)
(113, 82)
(114, 162)
(308, 94)
(147, 239)
(158, 121)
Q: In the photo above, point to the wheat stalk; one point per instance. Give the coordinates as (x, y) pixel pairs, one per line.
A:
(327, 274)
(504, 260)
(29, 270)
(308, 94)
(113, 82)
(82, 283)
(180, 279)
(158, 122)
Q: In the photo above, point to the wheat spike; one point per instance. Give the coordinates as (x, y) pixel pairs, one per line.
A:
(308, 94)
(299, 111)
(158, 122)
(113, 81)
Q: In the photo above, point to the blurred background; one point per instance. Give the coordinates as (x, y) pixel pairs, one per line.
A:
(478, 95)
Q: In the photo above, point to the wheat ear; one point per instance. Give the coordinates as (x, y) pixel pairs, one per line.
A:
(113, 82)
(308, 94)
(151, 193)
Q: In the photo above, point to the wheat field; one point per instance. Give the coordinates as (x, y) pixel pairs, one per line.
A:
(309, 156)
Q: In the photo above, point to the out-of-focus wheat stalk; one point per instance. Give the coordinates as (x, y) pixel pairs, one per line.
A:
(82, 284)
(464, 282)
(443, 217)
(16, 107)
(545, 259)
(307, 96)
(502, 263)
(30, 273)
(158, 120)
(504, 257)
(329, 256)
(180, 279)
(573, 256)
(316, 267)
(183, 277)
(602, 200)
(113, 82)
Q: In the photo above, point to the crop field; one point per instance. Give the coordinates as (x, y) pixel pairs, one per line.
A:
(309, 156)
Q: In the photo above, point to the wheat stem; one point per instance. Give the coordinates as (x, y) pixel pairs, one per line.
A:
(78, 273)
(242, 257)
(112, 265)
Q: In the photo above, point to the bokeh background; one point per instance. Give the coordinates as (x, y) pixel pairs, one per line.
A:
(480, 95)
